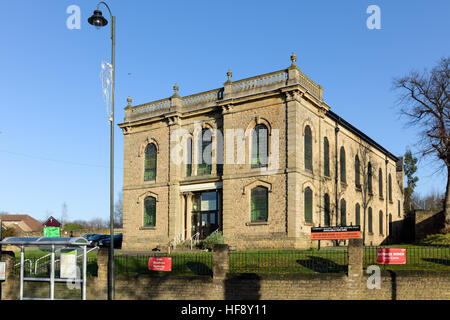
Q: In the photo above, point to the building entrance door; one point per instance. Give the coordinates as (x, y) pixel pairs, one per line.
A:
(205, 213)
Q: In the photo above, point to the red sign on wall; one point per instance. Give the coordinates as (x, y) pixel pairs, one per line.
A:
(391, 256)
(160, 264)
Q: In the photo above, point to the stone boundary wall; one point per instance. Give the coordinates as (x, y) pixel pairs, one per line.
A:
(398, 285)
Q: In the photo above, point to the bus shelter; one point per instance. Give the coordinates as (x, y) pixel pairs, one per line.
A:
(45, 243)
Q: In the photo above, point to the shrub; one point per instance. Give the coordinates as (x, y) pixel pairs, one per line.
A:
(437, 239)
(212, 239)
(73, 226)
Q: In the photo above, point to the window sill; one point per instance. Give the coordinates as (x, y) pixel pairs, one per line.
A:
(358, 189)
(148, 228)
(257, 223)
(309, 224)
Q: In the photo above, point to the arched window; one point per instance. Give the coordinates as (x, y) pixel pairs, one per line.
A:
(357, 215)
(260, 204)
(326, 204)
(150, 162)
(149, 212)
(357, 172)
(260, 144)
(390, 187)
(326, 157)
(342, 160)
(370, 220)
(390, 224)
(308, 148)
(204, 152)
(380, 182)
(369, 178)
(188, 157)
(343, 213)
(308, 205)
(381, 221)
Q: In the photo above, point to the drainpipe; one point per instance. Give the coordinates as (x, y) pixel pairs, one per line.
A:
(336, 176)
(387, 194)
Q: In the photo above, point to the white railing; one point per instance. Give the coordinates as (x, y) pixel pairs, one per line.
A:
(24, 265)
(179, 238)
(195, 239)
(56, 261)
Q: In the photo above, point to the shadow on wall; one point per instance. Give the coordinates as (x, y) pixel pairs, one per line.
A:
(322, 265)
(242, 287)
(428, 222)
(400, 232)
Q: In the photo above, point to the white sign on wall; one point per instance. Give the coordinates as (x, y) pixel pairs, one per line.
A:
(69, 265)
(2, 271)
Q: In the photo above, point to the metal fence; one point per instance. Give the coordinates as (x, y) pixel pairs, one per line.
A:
(333, 260)
(436, 258)
(182, 264)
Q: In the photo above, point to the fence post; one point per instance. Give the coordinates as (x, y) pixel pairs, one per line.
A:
(102, 271)
(354, 281)
(9, 289)
(221, 261)
(355, 258)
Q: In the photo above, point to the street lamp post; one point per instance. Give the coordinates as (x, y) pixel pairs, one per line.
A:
(98, 20)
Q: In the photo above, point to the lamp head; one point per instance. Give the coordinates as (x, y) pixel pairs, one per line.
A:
(97, 19)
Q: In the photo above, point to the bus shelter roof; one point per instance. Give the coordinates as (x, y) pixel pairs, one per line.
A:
(45, 241)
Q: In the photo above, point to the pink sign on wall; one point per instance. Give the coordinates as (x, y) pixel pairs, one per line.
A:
(160, 264)
(391, 256)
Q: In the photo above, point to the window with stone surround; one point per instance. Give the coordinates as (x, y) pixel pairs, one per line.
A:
(370, 220)
(150, 162)
(204, 145)
(308, 149)
(308, 205)
(259, 204)
(188, 157)
(326, 201)
(326, 157)
(342, 161)
(357, 173)
(260, 146)
(369, 178)
(149, 212)
(357, 215)
(343, 212)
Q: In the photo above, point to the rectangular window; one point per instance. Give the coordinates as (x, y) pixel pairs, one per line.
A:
(149, 212)
(259, 203)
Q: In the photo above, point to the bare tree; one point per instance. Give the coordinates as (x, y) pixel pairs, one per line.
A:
(424, 101)
(366, 169)
(118, 211)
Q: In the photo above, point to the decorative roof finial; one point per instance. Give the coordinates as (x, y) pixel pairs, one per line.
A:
(229, 74)
(293, 58)
(175, 88)
(129, 100)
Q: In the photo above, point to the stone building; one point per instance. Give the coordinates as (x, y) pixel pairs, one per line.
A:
(261, 159)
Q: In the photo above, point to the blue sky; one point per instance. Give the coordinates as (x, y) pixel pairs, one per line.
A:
(54, 140)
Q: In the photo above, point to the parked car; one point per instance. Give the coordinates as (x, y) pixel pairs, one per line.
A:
(117, 241)
(87, 235)
(96, 238)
